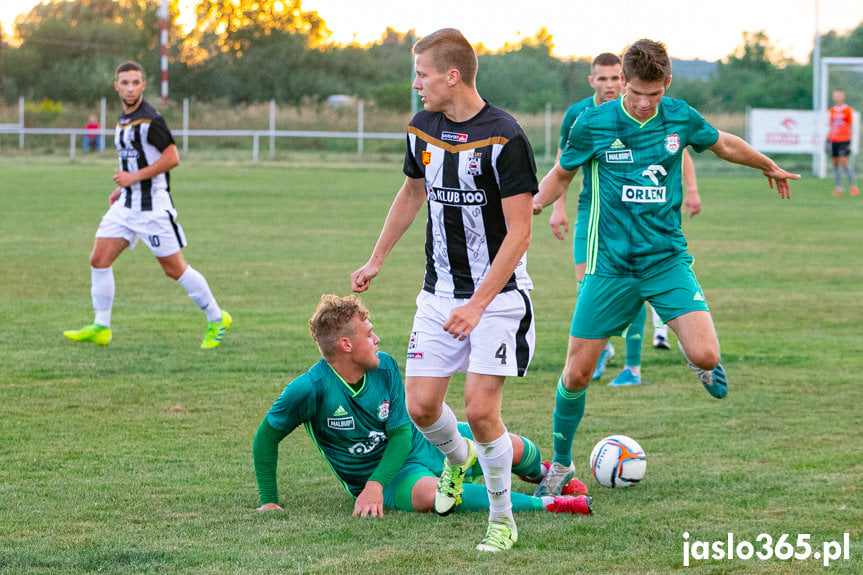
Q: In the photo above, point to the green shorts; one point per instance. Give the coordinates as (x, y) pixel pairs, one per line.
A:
(398, 493)
(607, 305)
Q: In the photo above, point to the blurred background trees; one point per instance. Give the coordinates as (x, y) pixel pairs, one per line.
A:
(257, 50)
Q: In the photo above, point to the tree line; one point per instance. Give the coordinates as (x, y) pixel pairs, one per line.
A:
(259, 50)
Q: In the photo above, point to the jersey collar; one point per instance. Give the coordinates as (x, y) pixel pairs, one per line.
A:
(639, 122)
(353, 392)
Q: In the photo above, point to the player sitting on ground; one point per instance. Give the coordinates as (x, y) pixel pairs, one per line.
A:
(352, 405)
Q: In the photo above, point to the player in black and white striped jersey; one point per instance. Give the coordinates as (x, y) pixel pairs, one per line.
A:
(473, 166)
(141, 207)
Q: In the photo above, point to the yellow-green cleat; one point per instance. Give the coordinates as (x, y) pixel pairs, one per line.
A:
(216, 330)
(499, 537)
(450, 484)
(93, 333)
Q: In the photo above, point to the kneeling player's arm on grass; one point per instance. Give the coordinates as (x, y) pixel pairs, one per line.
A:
(394, 456)
(265, 451)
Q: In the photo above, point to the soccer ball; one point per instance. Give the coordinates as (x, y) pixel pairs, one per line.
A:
(617, 461)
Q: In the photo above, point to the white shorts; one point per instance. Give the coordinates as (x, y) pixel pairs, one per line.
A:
(158, 228)
(502, 343)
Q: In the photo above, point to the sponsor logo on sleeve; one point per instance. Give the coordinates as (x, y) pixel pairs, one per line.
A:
(426, 156)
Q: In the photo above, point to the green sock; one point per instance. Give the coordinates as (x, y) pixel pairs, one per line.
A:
(530, 466)
(568, 411)
(475, 498)
(634, 335)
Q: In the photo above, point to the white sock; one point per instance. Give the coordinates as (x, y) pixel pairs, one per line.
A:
(102, 294)
(495, 458)
(444, 435)
(196, 286)
(657, 323)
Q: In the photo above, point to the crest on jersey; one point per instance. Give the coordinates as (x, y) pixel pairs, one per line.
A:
(473, 167)
(384, 410)
(672, 143)
(426, 157)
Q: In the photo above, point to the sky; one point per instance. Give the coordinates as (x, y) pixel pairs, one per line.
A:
(689, 28)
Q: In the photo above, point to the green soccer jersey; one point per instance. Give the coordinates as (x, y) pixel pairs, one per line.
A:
(633, 173)
(349, 427)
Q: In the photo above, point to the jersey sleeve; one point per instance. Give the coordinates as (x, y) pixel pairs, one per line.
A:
(516, 168)
(568, 120)
(159, 135)
(701, 134)
(296, 405)
(411, 169)
(579, 144)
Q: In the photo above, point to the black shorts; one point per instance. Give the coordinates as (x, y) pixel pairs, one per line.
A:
(840, 149)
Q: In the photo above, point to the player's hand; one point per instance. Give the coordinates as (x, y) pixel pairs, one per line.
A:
(781, 177)
(692, 203)
(114, 195)
(537, 208)
(362, 278)
(370, 502)
(269, 507)
(559, 220)
(124, 179)
(462, 320)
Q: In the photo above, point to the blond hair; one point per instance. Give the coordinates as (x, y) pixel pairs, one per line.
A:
(448, 48)
(332, 321)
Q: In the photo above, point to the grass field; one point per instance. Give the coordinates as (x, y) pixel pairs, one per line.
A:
(136, 458)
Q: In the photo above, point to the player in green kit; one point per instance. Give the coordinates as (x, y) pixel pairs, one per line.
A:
(352, 404)
(606, 79)
(631, 149)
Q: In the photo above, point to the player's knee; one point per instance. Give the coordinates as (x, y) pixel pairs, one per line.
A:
(705, 358)
(576, 376)
(421, 415)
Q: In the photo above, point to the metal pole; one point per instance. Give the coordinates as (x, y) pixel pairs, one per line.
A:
(163, 20)
(72, 139)
(255, 145)
(816, 88)
(103, 105)
(360, 122)
(185, 126)
(21, 123)
(272, 129)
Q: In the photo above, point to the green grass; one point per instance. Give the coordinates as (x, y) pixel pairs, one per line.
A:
(136, 458)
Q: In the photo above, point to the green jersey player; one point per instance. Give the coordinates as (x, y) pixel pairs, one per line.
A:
(606, 79)
(352, 404)
(632, 151)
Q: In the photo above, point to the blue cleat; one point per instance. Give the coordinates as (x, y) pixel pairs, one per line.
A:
(604, 358)
(626, 378)
(715, 381)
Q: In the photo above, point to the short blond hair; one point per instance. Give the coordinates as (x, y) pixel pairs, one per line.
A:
(332, 321)
(448, 48)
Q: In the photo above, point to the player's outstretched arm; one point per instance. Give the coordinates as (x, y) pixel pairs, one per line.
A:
(169, 160)
(403, 211)
(552, 187)
(265, 452)
(559, 221)
(734, 149)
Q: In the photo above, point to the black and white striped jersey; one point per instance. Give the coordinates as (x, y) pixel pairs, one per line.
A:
(468, 168)
(140, 138)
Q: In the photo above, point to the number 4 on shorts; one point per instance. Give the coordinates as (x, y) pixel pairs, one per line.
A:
(501, 354)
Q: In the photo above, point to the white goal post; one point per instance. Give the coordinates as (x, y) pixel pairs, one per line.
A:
(837, 64)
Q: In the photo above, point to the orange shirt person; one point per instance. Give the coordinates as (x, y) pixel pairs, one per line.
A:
(841, 124)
